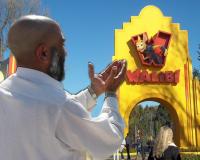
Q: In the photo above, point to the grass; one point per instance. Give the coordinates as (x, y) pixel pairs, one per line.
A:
(190, 157)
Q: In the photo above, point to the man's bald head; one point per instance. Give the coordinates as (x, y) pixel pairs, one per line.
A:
(37, 43)
(27, 33)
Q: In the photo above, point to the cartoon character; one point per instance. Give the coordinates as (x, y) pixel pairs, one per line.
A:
(141, 43)
(150, 52)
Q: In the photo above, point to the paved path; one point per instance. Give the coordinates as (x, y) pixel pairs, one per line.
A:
(133, 157)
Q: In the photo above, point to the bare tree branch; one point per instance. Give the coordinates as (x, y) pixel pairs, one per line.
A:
(10, 10)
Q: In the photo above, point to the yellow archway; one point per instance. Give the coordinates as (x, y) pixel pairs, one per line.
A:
(170, 109)
(169, 81)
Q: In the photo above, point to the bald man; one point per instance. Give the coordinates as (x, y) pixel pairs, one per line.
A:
(39, 120)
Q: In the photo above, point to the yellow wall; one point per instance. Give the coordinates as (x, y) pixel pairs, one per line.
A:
(196, 99)
(181, 107)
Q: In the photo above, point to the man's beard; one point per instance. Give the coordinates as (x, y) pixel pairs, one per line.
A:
(56, 69)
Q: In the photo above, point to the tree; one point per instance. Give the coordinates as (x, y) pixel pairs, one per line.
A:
(162, 117)
(198, 57)
(148, 121)
(196, 73)
(134, 121)
(10, 10)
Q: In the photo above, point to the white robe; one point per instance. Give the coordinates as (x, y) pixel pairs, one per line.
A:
(39, 120)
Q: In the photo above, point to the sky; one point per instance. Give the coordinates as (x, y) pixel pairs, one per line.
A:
(88, 26)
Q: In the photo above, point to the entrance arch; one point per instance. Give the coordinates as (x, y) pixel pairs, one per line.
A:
(161, 70)
(172, 111)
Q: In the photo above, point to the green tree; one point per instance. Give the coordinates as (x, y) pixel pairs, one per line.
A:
(148, 120)
(134, 120)
(196, 72)
(198, 52)
(161, 118)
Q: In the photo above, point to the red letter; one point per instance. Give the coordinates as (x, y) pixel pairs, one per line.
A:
(154, 77)
(133, 76)
(161, 77)
(144, 77)
(177, 74)
(169, 76)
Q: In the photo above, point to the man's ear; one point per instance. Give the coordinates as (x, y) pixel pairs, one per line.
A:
(42, 53)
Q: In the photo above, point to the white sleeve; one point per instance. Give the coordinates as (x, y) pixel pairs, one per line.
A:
(85, 98)
(101, 136)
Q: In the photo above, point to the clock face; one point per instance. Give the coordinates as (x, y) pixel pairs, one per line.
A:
(1, 76)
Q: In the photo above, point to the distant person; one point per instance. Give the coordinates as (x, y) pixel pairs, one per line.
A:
(150, 144)
(138, 146)
(140, 149)
(164, 147)
(128, 145)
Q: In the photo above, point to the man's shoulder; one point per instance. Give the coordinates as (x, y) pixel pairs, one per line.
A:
(3, 91)
(4, 85)
(74, 107)
(24, 89)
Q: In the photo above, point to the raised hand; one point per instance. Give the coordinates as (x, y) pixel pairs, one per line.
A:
(119, 78)
(99, 82)
(109, 79)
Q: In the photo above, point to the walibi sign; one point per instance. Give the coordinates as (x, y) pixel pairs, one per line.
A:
(142, 76)
(152, 52)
